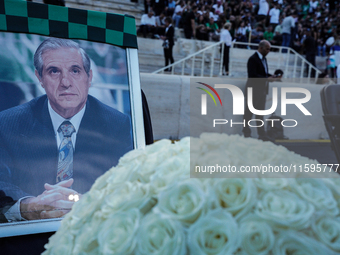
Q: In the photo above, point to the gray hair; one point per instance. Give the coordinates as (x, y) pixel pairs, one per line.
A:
(54, 44)
(227, 25)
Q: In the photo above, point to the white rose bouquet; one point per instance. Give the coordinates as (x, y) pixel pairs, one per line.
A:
(148, 204)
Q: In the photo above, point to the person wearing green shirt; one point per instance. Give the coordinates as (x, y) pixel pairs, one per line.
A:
(268, 34)
(212, 25)
(212, 29)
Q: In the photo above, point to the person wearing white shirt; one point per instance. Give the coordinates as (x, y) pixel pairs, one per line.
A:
(218, 7)
(148, 24)
(313, 4)
(263, 10)
(225, 37)
(241, 33)
(178, 13)
(274, 14)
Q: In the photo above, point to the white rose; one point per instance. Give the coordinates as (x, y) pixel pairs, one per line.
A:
(216, 149)
(117, 233)
(257, 237)
(236, 195)
(293, 242)
(155, 156)
(118, 174)
(334, 185)
(171, 170)
(136, 165)
(59, 243)
(158, 235)
(184, 201)
(183, 145)
(137, 155)
(317, 193)
(101, 181)
(83, 210)
(124, 196)
(158, 146)
(284, 209)
(327, 231)
(86, 238)
(215, 234)
(268, 184)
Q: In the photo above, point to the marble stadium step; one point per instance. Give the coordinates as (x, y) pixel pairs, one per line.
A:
(110, 6)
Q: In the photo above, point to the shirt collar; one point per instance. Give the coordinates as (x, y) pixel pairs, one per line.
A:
(57, 119)
(260, 55)
(167, 28)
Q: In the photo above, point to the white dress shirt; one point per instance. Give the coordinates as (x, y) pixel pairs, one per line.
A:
(225, 37)
(57, 120)
(264, 65)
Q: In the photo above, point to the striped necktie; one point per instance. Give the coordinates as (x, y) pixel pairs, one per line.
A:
(65, 160)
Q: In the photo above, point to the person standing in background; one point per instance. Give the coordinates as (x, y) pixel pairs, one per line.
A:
(263, 10)
(258, 79)
(190, 24)
(309, 45)
(168, 42)
(178, 13)
(227, 39)
(274, 14)
(287, 24)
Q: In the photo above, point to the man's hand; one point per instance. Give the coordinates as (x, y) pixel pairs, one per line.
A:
(52, 203)
(274, 78)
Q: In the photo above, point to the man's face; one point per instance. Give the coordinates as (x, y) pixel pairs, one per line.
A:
(265, 49)
(65, 80)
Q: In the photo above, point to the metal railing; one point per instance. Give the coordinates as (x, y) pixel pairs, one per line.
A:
(296, 68)
(205, 58)
(207, 62)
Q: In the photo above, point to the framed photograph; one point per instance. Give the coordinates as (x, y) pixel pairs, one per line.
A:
(70, 107)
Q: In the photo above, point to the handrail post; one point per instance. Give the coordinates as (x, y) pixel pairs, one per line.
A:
(295, 65)
(193, 65)
(202, 65)
(309, 72)
(302, 70)
(183, 63)
(280, 57)
(222, 58)
(287, 61)
(231, 50)
(212, 62)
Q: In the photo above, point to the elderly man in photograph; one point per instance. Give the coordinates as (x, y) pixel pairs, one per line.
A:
(54, 147)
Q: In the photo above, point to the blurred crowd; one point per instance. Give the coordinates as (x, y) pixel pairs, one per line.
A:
(308, 27)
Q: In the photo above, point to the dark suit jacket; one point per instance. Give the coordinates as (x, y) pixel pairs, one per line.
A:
(170, 35)
(29, 153)
(257, 76)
